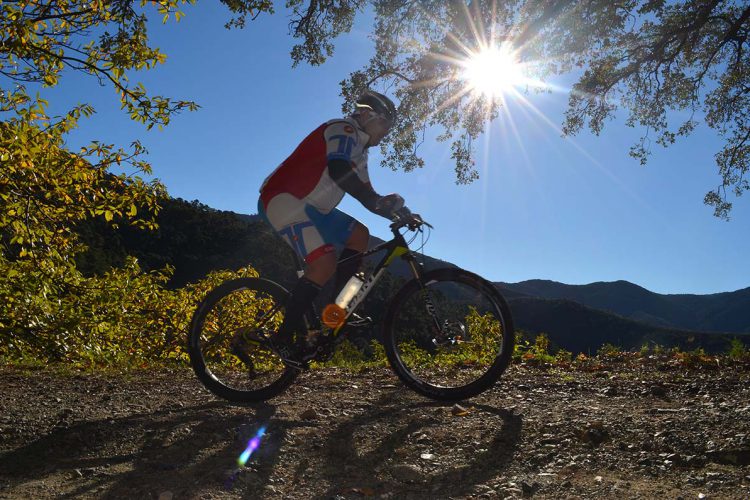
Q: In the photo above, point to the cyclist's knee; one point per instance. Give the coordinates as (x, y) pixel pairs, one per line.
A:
(359, 238)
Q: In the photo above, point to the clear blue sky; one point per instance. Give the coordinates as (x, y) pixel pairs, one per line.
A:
(574, 210)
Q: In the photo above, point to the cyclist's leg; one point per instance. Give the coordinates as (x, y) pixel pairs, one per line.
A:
(288, 216)
(342, 229)
(359, 239)
(320, 270)
(350, 260)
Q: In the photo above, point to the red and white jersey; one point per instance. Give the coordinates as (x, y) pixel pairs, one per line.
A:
(304, 174)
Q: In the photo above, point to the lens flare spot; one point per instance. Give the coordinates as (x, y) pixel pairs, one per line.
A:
(252, 445)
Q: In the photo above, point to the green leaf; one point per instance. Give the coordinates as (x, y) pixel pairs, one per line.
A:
(108, 215)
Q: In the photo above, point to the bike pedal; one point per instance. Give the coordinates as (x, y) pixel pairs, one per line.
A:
(357, 321)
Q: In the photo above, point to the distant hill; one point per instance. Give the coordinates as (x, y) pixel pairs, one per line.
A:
(193, 238)
(579, 328)
(722, 312)
(197, 239)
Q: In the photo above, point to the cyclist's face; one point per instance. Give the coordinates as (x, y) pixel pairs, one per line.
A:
(377, 128)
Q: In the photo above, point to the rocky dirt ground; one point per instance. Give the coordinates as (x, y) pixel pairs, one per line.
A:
(614, 433)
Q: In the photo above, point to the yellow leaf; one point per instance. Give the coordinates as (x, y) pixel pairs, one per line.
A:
(133, 210)
(108, 215)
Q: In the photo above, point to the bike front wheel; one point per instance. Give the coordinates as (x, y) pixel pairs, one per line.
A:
(449, 336)
(228, 343)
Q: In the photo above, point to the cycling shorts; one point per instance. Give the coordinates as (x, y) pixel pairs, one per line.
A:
(308, 231)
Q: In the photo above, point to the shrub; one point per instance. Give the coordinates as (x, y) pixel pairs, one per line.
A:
(522, 345)
(123, 316)
(609, 351)
(538, 353)
(694, 358)
(377, 356)
(347, 355)
(563, 357)
(644, 349)
(737, 350)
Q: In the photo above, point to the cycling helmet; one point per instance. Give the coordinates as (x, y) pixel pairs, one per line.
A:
(378, 103)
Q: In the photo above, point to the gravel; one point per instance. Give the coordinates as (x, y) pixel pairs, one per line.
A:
(623, 433)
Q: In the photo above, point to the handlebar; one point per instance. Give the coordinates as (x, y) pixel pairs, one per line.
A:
(404, 218)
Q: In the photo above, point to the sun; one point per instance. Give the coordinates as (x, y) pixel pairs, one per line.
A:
(493, 71)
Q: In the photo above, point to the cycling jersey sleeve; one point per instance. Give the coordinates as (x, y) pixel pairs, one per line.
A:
(347, 179)
(341, 139)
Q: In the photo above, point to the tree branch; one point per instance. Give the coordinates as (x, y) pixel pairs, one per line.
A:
(60, 16)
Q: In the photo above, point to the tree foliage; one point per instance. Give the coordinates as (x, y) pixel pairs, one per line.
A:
(666, 65)
(48, 308)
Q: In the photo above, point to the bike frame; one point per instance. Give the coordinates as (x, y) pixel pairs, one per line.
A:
(396, 247)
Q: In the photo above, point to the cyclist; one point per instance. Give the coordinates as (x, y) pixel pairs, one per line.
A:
(299, 201)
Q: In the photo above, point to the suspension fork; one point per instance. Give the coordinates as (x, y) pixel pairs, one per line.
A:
(418, 271)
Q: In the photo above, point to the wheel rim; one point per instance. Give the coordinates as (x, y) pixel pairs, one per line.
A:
(448, 335)
(233, 340)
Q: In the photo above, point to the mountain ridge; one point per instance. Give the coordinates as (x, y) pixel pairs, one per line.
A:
(719, 312)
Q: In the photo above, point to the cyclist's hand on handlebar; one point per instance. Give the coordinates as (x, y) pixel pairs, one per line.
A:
(389, 204)
(401, 215)
(404, 217)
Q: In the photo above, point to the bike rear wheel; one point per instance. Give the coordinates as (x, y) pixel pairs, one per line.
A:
(228, 344)
(451, 338)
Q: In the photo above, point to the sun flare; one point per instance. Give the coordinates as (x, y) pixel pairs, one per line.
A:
(493, 71)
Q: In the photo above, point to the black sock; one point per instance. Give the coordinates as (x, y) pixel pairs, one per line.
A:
(299, 301)
(346, 270)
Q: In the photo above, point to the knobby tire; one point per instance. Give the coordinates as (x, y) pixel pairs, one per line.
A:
(500, 309)
(203, 372)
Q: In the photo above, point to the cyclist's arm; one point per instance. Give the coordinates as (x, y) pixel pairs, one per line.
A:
(343, 174)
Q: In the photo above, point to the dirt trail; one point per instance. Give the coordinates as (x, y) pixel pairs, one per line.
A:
(610, 434)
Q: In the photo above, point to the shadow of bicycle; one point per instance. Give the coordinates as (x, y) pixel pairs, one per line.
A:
(418, 450)
(397, 444)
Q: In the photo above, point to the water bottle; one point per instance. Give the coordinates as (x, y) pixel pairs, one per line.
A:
(334, 314)
(350, 290)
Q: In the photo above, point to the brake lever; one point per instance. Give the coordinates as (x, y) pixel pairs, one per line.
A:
(414, 225)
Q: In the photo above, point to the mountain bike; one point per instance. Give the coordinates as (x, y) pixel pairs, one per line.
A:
(447, 333)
